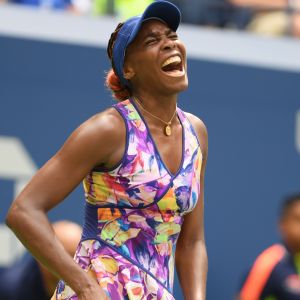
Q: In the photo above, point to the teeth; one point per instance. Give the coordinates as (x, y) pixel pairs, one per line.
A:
(171, 60)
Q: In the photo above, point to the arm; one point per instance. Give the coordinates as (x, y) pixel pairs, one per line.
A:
(191, 257)
(27, 216)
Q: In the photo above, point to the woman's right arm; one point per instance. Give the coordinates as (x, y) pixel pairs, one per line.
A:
(99, 140)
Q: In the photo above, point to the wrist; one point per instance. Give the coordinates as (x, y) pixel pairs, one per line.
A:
(84, 284)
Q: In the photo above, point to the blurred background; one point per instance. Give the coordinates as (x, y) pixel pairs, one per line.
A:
(244, 73)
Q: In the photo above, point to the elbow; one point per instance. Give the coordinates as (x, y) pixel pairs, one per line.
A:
(17, 215)
(12, 215)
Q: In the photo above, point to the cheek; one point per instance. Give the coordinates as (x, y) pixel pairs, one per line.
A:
(146, 67)
(144, 55)
(182, 48)
(297, 228)
(293, 229)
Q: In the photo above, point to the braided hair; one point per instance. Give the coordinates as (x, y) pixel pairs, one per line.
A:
(112, 80)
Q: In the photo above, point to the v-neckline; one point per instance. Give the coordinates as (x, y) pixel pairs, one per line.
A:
(157, 153)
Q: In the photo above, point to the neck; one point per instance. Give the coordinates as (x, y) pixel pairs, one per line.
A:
(162, 106)
(296, 251)
(293, 249)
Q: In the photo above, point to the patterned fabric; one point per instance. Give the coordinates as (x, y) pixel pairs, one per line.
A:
(134, 213)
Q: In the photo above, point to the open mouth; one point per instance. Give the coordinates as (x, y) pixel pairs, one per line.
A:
(173, 66)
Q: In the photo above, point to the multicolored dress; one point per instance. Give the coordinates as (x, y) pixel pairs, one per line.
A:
(134, 213)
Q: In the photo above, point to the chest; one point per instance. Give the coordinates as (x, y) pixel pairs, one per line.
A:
(155, 168)
(168, 149)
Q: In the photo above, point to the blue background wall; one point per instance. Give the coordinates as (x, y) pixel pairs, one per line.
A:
(48, 89)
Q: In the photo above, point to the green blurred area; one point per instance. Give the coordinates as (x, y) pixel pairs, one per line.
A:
(124, 9)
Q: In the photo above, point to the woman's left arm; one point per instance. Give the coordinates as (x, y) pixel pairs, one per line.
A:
(191, 256)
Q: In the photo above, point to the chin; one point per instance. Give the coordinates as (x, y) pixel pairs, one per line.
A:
(177, 87)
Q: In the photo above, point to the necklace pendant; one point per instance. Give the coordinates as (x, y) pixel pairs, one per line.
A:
(168, 130)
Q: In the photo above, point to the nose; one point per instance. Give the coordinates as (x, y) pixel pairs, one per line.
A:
(168, 43)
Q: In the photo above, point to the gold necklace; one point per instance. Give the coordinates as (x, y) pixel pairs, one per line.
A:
(167, 129)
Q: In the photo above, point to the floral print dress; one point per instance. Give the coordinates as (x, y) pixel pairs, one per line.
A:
(134, 213)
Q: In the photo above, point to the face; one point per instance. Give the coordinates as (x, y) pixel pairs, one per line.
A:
(156, 60)
(290, 227)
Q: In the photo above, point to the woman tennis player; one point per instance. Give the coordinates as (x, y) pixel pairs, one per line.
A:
(142, 164)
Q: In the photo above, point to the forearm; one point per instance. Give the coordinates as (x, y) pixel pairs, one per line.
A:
(33, 229)
(191, 266)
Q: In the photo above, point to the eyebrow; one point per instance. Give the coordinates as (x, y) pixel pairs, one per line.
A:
(157, 33)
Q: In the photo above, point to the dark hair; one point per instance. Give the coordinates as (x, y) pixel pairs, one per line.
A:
(120, 92)
(287, 204)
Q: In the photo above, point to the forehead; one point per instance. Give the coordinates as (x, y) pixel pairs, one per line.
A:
(153, 26)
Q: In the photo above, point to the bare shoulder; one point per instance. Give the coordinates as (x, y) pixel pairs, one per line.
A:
(107, 124)
(97, 138)
(201, 131)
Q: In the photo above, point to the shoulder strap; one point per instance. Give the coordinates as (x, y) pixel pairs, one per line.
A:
(127, 110)
(188, 126)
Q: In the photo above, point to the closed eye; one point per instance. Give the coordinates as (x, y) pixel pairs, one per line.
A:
(150, 41)
(173, 36)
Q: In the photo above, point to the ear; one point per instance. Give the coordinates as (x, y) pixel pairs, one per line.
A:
(128, 73)
(128, 70)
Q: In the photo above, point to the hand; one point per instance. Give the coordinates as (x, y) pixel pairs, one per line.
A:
(94, 291)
